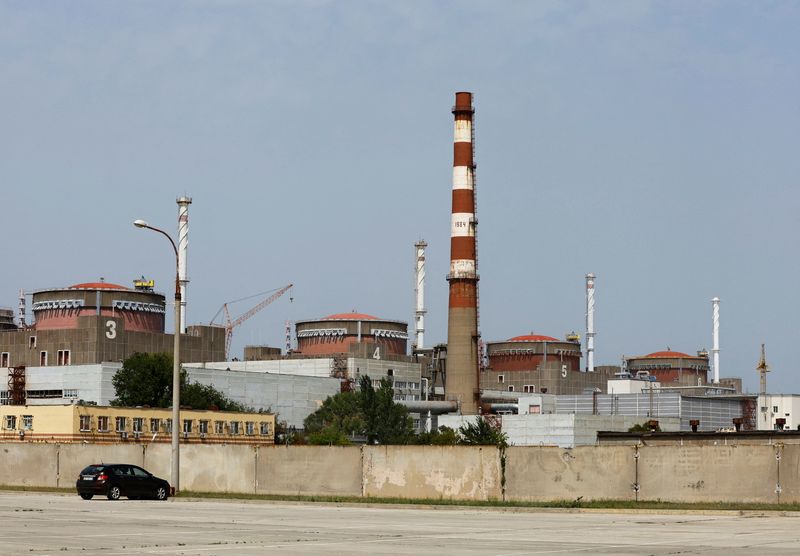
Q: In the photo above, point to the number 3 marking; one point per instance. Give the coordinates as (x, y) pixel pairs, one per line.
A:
(111, 333)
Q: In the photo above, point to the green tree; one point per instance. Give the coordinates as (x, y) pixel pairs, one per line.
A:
(366, 412)
(339, 417)
(386, 422)
(481, 432)
(205, 396)
(146, 379)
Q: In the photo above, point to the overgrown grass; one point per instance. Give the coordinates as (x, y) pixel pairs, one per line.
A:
(557, 504)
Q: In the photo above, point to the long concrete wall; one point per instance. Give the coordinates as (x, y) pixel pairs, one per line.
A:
(439, 472)
(711, 473)
(587, 473)
(309, 471)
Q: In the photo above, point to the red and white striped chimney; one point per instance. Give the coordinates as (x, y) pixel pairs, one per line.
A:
(462, 323)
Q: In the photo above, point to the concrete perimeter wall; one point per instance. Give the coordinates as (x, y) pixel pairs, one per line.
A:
(309, 470)
(713, 473)
(586, 472)
(438, 472)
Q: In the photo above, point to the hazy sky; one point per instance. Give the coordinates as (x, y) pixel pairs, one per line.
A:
(654, 144)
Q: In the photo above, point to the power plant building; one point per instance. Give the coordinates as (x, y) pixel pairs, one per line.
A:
(534, 363)
(339, 332)
(293, 397)
(96, 322)
(672, 368)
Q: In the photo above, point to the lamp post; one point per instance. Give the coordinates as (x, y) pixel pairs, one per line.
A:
(176, 365)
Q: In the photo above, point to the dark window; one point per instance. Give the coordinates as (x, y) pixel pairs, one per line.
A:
(139, 472)
(92, 470)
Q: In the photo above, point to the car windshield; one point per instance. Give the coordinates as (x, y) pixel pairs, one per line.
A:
(92, 470)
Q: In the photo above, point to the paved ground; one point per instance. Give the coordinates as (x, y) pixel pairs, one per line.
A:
(57, 524)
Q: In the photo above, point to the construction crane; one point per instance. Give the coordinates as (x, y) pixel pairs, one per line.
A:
(230, 324)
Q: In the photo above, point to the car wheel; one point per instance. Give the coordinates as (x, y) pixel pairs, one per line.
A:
(161, 493)
(114, 492)
(87, 496)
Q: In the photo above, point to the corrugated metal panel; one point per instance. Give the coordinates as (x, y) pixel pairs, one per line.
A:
(713, 413)
(665, 404)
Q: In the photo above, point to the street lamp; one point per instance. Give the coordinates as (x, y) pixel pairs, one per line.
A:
(176, 365)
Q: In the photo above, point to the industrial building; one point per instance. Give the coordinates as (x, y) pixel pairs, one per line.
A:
(292, 397)
(97, 322)
(711, 412)
(778, 412)
(7, 319)
(538, 363)
(576, 420)
(104, 424)
(345, 346)
(337, 333)
(672, 367)
(83, 332)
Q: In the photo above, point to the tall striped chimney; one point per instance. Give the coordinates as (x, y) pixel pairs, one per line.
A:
(462, 319)
(183, 245)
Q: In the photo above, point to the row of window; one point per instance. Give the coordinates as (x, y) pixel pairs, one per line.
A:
(527, 388)
(63, 356)
(67, 393)
(774, 409)
(155, 425)
(409, 385)
(26, 424)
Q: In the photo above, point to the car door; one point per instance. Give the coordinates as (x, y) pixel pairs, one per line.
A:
(130, 483)
(121, 478)
(144, 481)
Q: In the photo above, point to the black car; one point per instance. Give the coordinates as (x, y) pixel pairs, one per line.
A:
(120, 479)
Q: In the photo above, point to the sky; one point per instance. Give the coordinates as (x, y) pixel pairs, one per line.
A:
(654, 144)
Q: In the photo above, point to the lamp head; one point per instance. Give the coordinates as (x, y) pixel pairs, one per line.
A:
(140, 223)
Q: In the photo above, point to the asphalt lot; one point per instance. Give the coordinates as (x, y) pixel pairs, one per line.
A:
(36, 523)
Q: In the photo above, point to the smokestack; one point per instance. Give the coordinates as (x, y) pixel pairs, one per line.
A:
(420, 292)
(590, 322)
(715, 334)
(462, 318)
(183, 244)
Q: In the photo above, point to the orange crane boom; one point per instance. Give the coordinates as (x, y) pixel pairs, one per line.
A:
(231, 324)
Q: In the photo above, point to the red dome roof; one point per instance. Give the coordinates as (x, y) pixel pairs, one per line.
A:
(533, 338)
(668, 355)
(350, 316)
(97, 286)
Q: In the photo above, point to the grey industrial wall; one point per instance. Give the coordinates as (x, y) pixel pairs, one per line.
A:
(451, 472)
(725, 473)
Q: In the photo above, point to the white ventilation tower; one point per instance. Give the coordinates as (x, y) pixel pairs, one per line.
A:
(420, 293)
(183, 244)
(21, 314)
(590, 322)
(715, 338)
